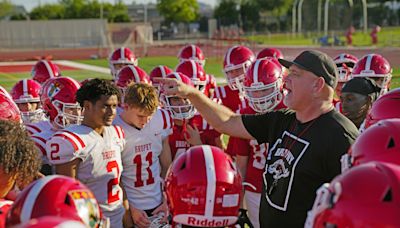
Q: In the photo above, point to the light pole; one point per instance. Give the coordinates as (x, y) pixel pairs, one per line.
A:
(299, 14)
(326, 17)
(294, 17)
(101, 9)
(319, 16)
(364, 2)
(239, 16)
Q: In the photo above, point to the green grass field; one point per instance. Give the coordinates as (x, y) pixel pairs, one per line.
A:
(387, 37)
(213, 66)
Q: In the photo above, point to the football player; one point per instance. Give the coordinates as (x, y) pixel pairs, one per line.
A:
(91, 152)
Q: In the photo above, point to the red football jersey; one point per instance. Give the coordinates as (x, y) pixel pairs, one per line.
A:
(177, 141)
(229, 98)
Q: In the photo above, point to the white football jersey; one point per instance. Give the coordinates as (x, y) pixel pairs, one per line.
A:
(40, 140)
(35, 128)
(140, 158)
(100, 167)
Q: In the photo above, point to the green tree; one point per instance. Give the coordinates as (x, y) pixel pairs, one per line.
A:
(227, 12)
(5, 8)
(48, 11)
(178, 10)
(250, 17)
(119, 13)
(278, 8)
(72, 9)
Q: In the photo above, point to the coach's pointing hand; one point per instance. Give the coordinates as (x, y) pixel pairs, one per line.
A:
(174, 87)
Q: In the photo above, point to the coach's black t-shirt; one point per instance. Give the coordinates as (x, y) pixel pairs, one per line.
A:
(302, 156)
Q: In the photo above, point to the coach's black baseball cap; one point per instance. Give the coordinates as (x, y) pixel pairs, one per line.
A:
(317, 63)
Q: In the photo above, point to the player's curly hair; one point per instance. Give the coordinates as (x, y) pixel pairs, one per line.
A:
(94, 89)
(18, 153)
(141, 95)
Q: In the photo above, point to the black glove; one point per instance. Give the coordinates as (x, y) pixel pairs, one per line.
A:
(243, 219)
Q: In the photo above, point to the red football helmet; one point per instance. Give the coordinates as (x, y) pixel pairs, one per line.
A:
(56, 195)
(159, 72)
(270, 52)
(8, 109)
(375, 67)
(28, 91)
(386, 107)
(236, 62)
(195, 72)
(180, 108)
(51, 222)
(204, 188)
(130, 74)
(262, 85)
(59, 102)
(345, 63)
(380, 142)
(192, 52)
(43, 70)
(366, 196)
(121, 57)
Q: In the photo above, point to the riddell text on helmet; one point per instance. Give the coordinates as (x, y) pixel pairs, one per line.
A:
(207, 222)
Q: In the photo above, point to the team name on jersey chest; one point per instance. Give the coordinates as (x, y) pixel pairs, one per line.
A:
(142, 148)
(109, 154)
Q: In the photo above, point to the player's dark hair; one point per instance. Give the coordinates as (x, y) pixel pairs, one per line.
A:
(18, 153)
(94, 89)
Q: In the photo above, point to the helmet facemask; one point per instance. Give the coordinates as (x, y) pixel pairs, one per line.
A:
(344, 72)
(200, 85)
(235, 75)
(67, 114)
(180, 108)
(33, 116)
(263, 98)
(327, 196)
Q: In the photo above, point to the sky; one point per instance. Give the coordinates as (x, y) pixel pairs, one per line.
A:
(29, 4)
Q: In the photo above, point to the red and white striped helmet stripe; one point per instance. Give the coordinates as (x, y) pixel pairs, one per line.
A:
(193, 51)
(211, 181)
(255, 71)
(177, 76)
(194, 69)
(25, 88)
(162, 69)
(122, 49)
(48, 67)
(368, 62)
(27, 207)
(135, 73)
(228, 55)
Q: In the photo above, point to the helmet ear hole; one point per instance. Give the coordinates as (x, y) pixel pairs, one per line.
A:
(67, 200)
(391, 143)
(183, 166)
(388, 196)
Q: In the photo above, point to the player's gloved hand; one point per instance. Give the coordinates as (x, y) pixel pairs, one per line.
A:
(243, 219)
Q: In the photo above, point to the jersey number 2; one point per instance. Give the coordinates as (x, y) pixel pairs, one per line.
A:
(113, 182)
(139, 163)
